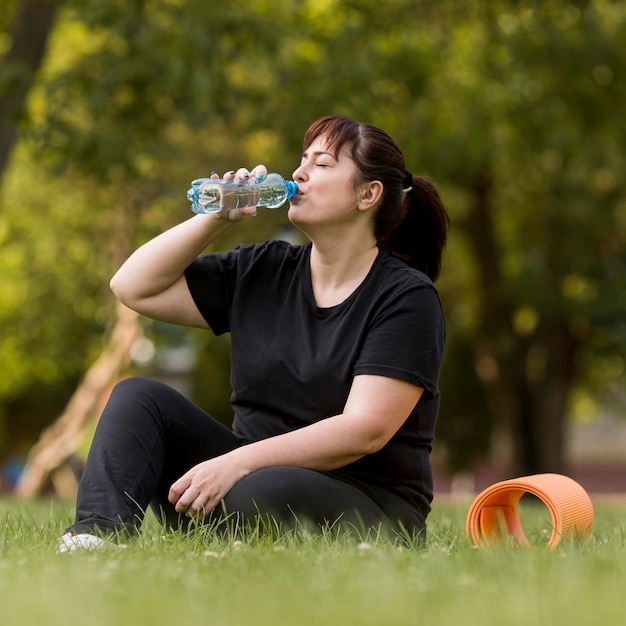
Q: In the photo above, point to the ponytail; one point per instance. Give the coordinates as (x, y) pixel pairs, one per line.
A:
(419, 238)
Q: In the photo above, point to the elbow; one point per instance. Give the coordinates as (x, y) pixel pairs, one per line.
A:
(116, 287)
(375, 442)
(120, 290)
(370, 434)
(113, 285)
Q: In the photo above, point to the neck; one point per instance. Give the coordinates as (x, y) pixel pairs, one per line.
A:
(337, 270)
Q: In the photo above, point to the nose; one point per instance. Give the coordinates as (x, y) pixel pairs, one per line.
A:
(299, 174)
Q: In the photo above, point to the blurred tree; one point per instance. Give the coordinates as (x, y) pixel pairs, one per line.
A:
(530, 135)
(128, 110)
(513, 109)
(27, 39)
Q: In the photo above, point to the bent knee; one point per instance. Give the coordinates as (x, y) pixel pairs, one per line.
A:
(139, 388)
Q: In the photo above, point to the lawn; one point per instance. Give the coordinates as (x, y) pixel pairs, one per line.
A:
(167, 579)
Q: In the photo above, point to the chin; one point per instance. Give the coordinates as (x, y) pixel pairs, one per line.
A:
(294, 213)
(295, 217)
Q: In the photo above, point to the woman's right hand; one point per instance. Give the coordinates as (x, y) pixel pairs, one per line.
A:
(235, 215)
(152, 280)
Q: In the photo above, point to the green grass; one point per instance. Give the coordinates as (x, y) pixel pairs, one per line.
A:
(168, 579)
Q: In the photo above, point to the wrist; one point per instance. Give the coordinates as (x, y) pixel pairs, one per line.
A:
(214, 221)
(240, 462)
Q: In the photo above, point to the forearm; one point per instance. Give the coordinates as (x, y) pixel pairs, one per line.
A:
(375, 410)
(161, 262)
(323, 446)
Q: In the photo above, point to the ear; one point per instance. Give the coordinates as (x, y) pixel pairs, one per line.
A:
(371, 193)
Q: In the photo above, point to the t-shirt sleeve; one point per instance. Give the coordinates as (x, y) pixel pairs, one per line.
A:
(407, 340)
(211, 279)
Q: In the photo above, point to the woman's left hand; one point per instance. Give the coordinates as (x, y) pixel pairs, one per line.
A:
(200, 490)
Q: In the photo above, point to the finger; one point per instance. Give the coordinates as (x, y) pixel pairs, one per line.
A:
(185, 501)
(178, 488)
(174, 494)
(243, 173)
(228, 197)
(259, 172)
(199, 507)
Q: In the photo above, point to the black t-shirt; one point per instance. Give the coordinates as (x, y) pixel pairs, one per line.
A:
(293, 362)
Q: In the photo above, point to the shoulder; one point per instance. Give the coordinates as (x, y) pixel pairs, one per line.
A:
(395, 279)
(269, 259)
(246, 256)
(401, 274)
(399, 287)
(271, 249)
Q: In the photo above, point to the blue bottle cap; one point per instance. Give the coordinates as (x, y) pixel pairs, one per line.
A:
(292, 188)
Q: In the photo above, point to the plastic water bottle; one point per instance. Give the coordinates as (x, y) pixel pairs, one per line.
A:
(210, 195)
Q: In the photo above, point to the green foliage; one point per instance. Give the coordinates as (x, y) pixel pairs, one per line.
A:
(7, 13)
(46, 270)
(521, 100)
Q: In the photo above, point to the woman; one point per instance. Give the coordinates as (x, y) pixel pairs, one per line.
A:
(336, 351)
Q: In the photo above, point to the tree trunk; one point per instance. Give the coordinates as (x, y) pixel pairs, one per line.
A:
(549, 397)
(60, 440)
(33, 23)
(529, 402)
(530, 405)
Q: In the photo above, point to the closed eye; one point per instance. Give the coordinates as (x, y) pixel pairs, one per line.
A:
(317, 154)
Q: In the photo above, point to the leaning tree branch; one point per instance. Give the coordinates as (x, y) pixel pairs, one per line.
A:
(60, 440)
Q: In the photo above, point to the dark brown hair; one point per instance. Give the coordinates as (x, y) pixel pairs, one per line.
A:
(413, 225)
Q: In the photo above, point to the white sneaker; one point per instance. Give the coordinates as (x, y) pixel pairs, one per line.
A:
(82, 541)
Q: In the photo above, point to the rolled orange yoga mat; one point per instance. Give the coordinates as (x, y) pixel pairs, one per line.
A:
(494, 513)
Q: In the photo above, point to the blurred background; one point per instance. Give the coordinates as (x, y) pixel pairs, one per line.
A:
(516, 110)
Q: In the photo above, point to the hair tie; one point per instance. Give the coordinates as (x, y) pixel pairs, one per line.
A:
(407, 183)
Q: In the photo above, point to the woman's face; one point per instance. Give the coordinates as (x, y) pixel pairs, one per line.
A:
(327, 192)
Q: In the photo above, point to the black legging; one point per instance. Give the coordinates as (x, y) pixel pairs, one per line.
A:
(150, 435)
